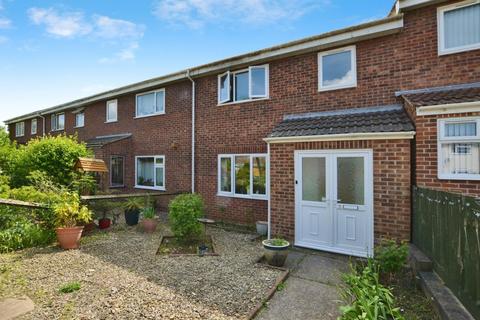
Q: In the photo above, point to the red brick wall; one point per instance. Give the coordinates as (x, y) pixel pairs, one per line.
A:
(391, 187)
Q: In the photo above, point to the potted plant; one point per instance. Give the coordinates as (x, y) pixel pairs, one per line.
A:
(69, 213)
(148, 220)
(102, 210)
(276, 251)
(132, 210)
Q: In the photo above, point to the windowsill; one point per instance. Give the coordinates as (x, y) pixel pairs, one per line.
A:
(57, 130)
(150, 115)
(349, 86)
(242, 101)
(111, 121)
(240, 196)
(116, 187)
(19, 136)
(444, 52)
(79, 127)
(33, 134)
(150, 188)
(459, 177)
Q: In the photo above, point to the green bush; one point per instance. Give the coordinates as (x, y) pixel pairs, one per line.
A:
(7, 152)
(184, 210)
(390, 256)
(53, 155)
(366, 297)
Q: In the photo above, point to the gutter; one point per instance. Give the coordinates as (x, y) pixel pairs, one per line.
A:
(193, 130)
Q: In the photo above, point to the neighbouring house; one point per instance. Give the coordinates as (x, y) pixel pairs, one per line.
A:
(323, 137)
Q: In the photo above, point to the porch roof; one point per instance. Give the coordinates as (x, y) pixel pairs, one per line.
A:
(101, 141)
(455, 94)
(391, 118)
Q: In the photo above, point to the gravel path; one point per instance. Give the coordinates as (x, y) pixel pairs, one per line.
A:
(122, 278)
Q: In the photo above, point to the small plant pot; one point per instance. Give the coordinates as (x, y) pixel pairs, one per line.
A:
(149, 225)
(131, 217)
(262, 228)
(104, 223)
(275, 255)
(69, 237)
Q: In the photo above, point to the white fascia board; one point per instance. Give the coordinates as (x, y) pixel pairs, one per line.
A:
(350, 35)
(404, 5)
(449, 108)
(345, 137)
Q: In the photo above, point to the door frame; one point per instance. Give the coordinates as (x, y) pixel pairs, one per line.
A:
(369, 202)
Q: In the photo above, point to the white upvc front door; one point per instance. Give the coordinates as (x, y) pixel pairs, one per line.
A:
(334, 201)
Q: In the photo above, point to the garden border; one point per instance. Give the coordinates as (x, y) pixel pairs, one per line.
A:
(173, 255)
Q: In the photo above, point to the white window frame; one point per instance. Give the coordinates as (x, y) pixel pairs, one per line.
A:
(155, 165)
(231, 91)
(441, 28)
(32, 127)
(155, 103)
(54, 122)
(441, 139)
(353, 57)
(107, 120)
(232, 176)
(111, 171)
(19, 129)
(76, 119)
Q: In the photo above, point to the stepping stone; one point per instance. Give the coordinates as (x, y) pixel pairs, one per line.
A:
(15, 307)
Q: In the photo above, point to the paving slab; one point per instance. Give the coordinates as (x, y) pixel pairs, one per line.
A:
(303, 299)
(322, 269)
(11, 308)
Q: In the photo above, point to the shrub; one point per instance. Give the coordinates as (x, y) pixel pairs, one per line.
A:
(366, 297)
(390, 256)
(184, 210)
(148, 213)
(69, 212)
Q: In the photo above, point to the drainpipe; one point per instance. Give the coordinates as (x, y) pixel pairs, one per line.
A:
(269, 234)
(193, 130)
(43, 124)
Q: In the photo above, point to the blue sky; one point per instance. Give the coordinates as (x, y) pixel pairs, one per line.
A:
(53, 52)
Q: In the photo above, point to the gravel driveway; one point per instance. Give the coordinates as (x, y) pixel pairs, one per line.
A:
(122, 278)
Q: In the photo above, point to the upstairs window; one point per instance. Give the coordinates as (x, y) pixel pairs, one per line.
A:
(33, 126)
(19, 129)
(150, 103)
(79, 120)
(58, 121)
(459, 149)
(243, 85)
(337, 69)
(112, 115)
(459, 27)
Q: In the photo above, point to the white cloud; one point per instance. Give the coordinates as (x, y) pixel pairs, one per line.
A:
(3, 39)
(5, 23)
(197, 13)
(64, 25)
(106, 27)
(125, 54)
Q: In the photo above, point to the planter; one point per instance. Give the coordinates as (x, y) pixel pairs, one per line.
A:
(275, 254)
(104, 223)
(131, 217)
(262, 228)
(69, 237)
(149, 225)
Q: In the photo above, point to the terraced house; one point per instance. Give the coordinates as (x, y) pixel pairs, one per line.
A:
(323, 137)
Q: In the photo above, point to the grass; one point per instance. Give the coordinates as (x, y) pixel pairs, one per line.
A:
(171, 245)
(70, 287)
(281, 286)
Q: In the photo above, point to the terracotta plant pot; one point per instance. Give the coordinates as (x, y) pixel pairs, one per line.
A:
(69, 237)
(104, 223)
(149, 225)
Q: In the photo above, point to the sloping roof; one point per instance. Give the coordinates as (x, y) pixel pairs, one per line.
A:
(360, 120)
(90, 165)
(442, 95)
(101, 141)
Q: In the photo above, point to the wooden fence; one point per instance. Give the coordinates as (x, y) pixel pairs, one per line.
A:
(446, 228)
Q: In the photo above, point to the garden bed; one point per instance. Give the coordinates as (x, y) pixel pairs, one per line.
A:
(170, 246)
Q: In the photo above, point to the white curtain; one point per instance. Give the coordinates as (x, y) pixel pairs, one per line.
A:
(462, 26)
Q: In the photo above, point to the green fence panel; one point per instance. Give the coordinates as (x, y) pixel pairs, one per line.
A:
(446, 228)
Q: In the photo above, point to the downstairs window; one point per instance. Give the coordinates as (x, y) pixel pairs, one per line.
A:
(150, 172)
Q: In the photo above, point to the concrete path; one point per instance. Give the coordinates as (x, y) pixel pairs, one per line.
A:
(311, 290)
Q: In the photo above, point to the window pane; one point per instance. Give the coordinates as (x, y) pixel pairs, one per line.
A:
(116, 171)
(160, 107)
(241, 86)
(80, 120)
(159, 161)
(224, 88)
(34, 126)
(226, 174)
(146, 104)
(242, 175)
(61, 121)
(468, 129)
(145, 172)
(159, 177)
(259, 175)
(462, 26)
(350, 180)
(337, 69)
(258, 81)
(460, 158)
(112, 111)
(313, 179)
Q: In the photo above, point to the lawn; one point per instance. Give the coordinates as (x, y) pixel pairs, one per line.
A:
(116, 274)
